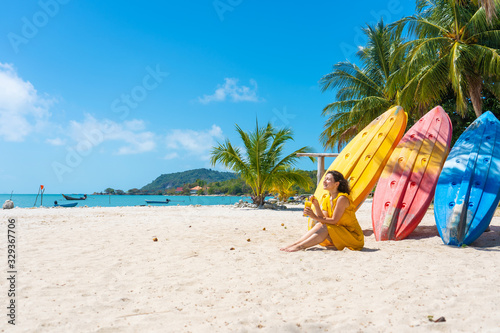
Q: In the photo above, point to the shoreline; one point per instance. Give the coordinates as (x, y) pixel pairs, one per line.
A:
(29, 200)
(118, 195)
(99, 269)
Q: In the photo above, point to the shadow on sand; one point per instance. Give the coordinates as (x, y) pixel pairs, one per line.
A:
(365, 249)
(422, 232)
(419, 232)
(368, 232)
(485, 242)
(295, 209)
(488, 240)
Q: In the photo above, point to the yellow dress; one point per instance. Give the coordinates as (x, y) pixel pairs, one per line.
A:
(347, 232)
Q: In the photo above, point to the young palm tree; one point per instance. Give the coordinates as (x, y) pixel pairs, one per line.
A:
(285, 190)
(362, 93)
(455, 46)
(261, 162)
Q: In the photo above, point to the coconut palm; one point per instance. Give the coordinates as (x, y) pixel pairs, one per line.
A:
(455, 46)
(261, 162)
(362, 93)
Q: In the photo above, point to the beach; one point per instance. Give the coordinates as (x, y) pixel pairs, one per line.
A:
(219, 269)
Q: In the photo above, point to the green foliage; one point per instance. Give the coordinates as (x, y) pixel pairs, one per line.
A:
(362, 93)
(313, 176)
(261, 162)
(451, 58)
(230, 187)
(196, 177)
(134, 191)
(109, 190)
(186, 189)
(459, 122)
(234, 186)
(455, 46)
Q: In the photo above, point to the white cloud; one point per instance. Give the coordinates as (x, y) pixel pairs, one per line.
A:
(193, 143)
(95, 132)
(171, 156)
(22, 109)
(230, 90)
(135, 125)
(56, 142)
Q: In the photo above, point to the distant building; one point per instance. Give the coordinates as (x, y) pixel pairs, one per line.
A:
(178, 190)
(195, 189)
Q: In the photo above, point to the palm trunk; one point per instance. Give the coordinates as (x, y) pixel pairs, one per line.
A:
(475, 88)
(258, 198)
(489, 8)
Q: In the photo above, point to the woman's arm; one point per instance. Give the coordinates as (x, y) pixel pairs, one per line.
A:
(340, 207)
(319, 212)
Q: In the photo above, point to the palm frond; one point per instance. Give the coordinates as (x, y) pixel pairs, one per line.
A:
(346, 74)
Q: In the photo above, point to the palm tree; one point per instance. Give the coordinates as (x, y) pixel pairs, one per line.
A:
(455, 46)
(286, 190)
(362, 92)
(261, 162)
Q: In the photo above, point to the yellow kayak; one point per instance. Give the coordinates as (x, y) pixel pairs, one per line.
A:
(363, 159)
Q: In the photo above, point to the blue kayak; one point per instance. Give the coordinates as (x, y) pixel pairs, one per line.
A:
(468, 189)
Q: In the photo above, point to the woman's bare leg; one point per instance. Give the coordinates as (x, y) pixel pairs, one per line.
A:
(304, 237)
(317, 237)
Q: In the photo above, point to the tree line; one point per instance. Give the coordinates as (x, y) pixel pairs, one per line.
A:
(234, 187)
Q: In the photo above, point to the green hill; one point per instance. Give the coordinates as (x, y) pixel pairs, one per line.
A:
(172, 180)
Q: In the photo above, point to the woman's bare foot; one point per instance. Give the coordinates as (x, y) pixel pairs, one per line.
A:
(294, 248)
(289, 246)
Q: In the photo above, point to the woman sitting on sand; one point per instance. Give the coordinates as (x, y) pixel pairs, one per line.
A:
(338, 227)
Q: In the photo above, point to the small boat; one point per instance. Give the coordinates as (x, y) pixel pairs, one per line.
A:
(157, 202)
(72, 204)
(67, 197)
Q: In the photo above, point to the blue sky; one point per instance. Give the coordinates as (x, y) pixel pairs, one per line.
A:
(98, 94)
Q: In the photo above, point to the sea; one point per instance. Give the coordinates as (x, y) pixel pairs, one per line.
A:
(32, 200)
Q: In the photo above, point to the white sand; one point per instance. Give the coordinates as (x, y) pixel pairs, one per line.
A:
(99, 270)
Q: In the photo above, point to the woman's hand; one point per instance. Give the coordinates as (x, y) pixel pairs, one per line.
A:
(309, 212)
(315, 203)
(313, 199)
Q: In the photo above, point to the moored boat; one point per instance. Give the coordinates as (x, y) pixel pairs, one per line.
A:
(71, 204)
(67, 197)
(157, 201)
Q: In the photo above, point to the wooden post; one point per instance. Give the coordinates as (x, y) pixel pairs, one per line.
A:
(321, 162)
(321, 168)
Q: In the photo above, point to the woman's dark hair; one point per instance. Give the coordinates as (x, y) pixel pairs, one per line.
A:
(344, 184)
